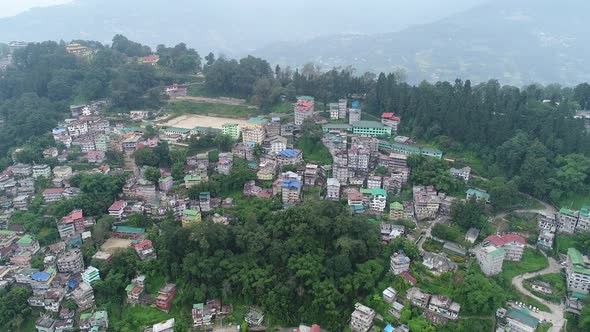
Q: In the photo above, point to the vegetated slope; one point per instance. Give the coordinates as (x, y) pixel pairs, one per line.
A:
(515, 41)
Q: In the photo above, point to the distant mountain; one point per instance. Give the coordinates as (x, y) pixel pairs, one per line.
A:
(230, 26)
(515, 41)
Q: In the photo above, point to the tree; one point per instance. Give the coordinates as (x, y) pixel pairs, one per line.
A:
(470, 213)
(152, 174)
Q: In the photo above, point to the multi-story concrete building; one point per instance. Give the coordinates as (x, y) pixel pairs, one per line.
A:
(273, 127)
(333, 189)
(41, 171)
(334, 112)
(426, 202)
(342, 107)
(361, 319)
(90, 275)
(462, 173)
(62, 172)
(577, 272)
(310, 174)
(303, 109)
(205, 201)
(102, 142)
(389, 119)
(567, 221)
(583, 224)
(70, 261)
(232, 130)
(376, 198)
(546, 221)
(490, 258)
(77, 128)
(165, 297)
(370, 128)
(512, 243)
(291, 189)
(354, 115)
(396, 211)
(22, 170)
(254, 131)
(545, 239)
(374, 181)
(117, 209)
(278, 144)
(399, 263)
(83, 295)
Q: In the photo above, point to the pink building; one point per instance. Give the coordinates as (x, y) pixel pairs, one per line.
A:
(117, 208)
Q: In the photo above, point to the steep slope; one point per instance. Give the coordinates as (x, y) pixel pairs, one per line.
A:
(230, 26)
(515, 41)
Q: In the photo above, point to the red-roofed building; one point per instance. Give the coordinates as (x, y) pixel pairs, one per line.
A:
(513, 244)
(144, 249)
(151, 59)
(53, 194)
(95, 156)
(389, 119)
(76, 217)
(117, 208)
(165, 297)
(409, 277)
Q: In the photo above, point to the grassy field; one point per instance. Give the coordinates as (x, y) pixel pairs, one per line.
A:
(229, 111)
(563, 242)
(575, 201)
(532, 260)
(132, 319)
(524, 224)
(314, 151)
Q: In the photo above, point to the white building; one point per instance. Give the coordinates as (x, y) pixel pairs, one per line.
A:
(577, 272)
(41, 171)
(399, 263)
(490, 259)
(361, 319)
(333, 189)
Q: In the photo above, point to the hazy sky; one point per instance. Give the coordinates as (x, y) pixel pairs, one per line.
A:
(13, 7)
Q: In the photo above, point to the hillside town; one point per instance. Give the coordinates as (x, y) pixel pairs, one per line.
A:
(368, 173)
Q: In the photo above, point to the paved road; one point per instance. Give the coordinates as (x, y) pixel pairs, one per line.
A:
(556, 315)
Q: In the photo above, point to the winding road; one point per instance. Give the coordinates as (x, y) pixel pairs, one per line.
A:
(555, 316)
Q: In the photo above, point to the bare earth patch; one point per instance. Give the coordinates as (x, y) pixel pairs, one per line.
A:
(190, 121)
(113, 245)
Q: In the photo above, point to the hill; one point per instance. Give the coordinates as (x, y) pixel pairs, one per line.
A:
(517, 42)
(234, 27)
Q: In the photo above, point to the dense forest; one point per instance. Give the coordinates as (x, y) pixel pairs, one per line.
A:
(37, 89)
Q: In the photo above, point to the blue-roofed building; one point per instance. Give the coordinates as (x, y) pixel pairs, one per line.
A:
(399, 263)
(291, 189)
(289, 157)
(388, 328)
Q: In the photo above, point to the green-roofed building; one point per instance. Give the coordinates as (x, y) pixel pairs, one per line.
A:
(190, 216)
(490, 259)
(478, 195)
(232, 130)
(257, 120)
(370, 128)
(396, 211)
(127, 232)
(577, 272)
(27, 241)
(192, 180)
(521, 320)
(567, 221)
(376, 197)
(583, 224)
(408, 149)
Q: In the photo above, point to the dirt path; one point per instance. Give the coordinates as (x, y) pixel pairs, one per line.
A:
(556, 316)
